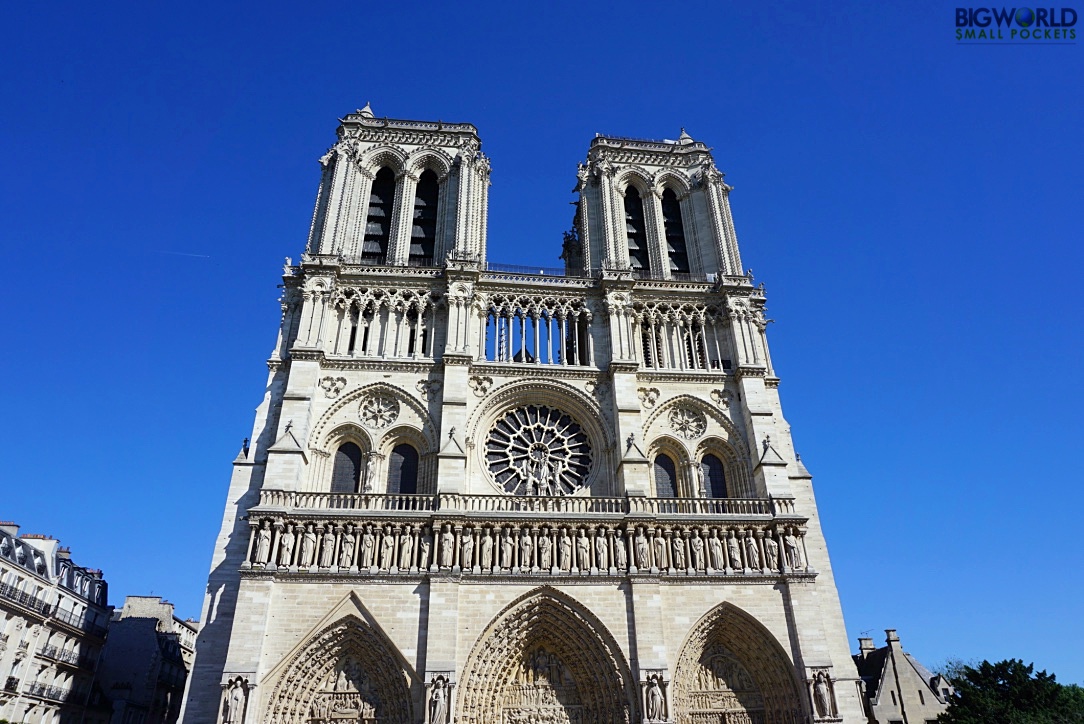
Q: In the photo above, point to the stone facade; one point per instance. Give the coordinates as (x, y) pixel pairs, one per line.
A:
(53, 617)
(145, 663)
(486, 493)
(897, 688)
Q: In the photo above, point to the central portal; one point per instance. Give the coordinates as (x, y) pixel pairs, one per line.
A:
(546, 660)
(542, 691)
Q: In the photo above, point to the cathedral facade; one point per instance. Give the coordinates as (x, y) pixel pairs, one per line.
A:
(488, 494)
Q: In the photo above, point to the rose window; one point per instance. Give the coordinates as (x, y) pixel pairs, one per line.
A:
(687, 422)
(379, 410)
(536, 450)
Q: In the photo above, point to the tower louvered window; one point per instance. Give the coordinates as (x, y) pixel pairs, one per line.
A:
(675, 233)
(378, 223)
(423, 233)
(346, 473)
(665, 477)
(636, 230)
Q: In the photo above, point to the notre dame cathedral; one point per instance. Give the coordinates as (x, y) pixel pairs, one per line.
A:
(490, 494)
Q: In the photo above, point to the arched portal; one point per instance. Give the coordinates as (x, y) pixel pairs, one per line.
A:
(546, 659)
(347, 671)
(731, 668)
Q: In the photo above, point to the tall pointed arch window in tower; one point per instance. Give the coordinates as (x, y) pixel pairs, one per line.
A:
(676, 250)
(665, 476)
(374, 247)
(636, 230)
(714, 476)
(346, 474)
(403, 470)
(423, 233)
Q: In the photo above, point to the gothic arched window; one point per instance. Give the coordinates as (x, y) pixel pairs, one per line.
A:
(665, 476)
(423, 233)
(374, 247)
(714, 477)
(403, 470)
(346, 473)
(636, 230)
(676, 250)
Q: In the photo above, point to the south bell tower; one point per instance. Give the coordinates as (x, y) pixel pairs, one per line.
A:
(487, 493)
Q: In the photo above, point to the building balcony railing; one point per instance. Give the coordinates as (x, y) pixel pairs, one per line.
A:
(12, 684)
(55, 693)
(80, 622)
(25, 599)
(369, 534)
(68, 657)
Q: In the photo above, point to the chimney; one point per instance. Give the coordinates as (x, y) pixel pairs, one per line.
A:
(865, 648)
(10, 528)
(891, 637)
(64, 553)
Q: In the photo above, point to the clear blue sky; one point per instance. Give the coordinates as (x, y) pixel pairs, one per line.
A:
(912, 205)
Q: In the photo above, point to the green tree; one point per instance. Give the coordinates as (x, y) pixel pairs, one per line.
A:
(1008, 693)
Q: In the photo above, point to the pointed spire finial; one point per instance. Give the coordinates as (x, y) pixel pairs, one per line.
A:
(367, 111)
(684, 138)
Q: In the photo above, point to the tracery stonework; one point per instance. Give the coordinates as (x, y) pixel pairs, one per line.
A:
(537, 450)
(687, 422)
(379, 410)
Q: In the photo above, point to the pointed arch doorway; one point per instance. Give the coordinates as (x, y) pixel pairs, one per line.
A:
(731, 669)
(546, 660)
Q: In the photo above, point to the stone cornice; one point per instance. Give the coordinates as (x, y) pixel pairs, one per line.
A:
(750, 371)
(376, 364)
(682, 377)
(528, 369)
(681, 578)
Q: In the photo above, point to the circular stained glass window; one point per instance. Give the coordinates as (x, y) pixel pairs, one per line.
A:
(537, 450)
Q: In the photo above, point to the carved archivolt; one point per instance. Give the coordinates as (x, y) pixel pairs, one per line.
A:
(347, 671)
(733, 435)
(547, 660)
(730, 666)
(334, 417)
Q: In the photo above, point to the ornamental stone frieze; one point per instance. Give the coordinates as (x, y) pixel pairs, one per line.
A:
(535, 536)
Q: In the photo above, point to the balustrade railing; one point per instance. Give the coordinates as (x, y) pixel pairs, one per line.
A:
(24, 599)
(570, 504)
(348, 501)
(531, 504)
(536, 270)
